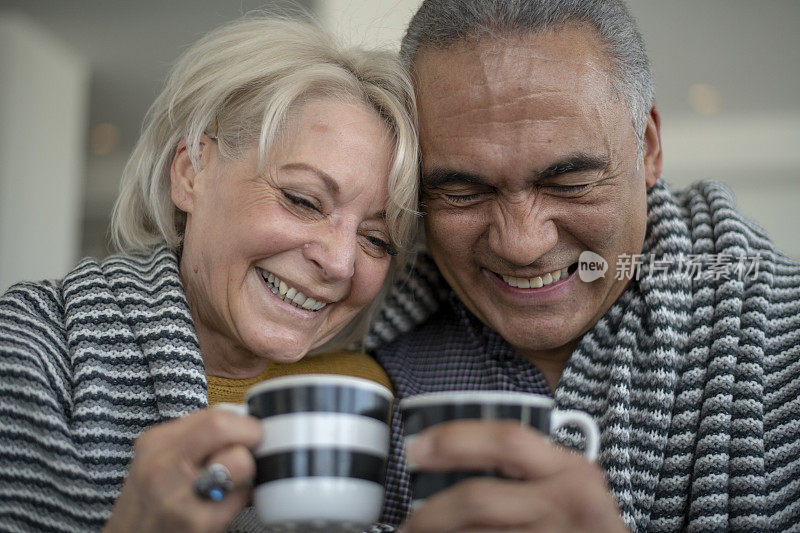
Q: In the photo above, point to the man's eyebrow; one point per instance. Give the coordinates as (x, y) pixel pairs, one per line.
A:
(438, 177)
(579, 162)
(330, 183)
(574, 163)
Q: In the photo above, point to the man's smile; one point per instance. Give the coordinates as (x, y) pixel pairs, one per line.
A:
(537, 282)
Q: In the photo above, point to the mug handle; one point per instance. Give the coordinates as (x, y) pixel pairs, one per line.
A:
(586, 424)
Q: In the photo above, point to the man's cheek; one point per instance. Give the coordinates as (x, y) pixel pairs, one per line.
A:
(446, 230)
(598, 227)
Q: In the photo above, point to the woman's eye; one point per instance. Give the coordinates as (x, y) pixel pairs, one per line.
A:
(383, 245)
(300, 201)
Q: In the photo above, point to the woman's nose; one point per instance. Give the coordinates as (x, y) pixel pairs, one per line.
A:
(333, 251)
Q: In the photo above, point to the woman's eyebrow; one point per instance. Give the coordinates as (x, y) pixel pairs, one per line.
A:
(329, 182)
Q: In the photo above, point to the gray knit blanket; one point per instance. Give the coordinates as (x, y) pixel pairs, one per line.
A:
(695, 382)
(86, 364)
(693, 374)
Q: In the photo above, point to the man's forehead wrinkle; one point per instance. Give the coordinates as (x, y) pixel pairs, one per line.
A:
(574, 45)
(499, 114)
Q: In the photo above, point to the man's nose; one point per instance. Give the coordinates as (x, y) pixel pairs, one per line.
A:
(333, 250)
(520, 233)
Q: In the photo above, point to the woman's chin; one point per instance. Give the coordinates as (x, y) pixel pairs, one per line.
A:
(286, 359)
(291, 353)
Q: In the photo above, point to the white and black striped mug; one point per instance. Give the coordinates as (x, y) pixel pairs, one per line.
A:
(536, 411)
(321, 463)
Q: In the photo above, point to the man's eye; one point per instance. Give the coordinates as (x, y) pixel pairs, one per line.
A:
(379, 243)
(568, 190)
(300, 201)
(463, 199)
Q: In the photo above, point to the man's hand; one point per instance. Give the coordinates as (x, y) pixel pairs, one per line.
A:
(551, 489)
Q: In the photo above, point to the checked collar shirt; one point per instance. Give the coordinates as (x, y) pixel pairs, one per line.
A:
(453, 350)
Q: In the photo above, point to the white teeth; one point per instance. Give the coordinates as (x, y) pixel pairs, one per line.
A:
(290, 294)
(538, 281)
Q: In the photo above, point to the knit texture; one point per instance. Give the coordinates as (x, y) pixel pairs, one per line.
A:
(341, 362)
(694, 382)
(693, 379)
(86, 365)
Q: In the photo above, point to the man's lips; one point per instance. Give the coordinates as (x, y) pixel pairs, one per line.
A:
(537, 282)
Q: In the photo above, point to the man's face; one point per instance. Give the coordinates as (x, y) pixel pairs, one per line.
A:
(528, 160)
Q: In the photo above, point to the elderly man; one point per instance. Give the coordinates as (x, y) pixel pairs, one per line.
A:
(541, 148)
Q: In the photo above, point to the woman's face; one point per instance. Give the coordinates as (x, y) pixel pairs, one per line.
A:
(278, 260)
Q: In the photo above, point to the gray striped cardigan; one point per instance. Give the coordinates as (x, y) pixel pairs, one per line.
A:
(696, 383)
(86, 364)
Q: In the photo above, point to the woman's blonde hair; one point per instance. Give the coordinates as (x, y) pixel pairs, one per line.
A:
(240, 83)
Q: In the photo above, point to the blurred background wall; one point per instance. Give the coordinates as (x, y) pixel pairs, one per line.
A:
(77, 76)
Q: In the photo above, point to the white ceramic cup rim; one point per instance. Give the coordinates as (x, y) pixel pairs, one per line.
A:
(476, 397)
(301, 380)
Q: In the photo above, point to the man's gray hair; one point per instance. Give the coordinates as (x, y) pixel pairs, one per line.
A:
(439, 23)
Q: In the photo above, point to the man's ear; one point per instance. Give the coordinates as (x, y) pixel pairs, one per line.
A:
(183, 175)
(653, 162)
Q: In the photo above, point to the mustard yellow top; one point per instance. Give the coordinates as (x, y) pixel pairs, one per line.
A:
(343, 362)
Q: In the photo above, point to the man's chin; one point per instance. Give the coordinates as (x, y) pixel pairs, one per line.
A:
(540, 336)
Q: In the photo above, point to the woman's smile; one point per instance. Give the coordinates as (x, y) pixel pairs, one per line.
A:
(290, 294)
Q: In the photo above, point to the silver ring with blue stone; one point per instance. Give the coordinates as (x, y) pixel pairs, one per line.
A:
(214, 482)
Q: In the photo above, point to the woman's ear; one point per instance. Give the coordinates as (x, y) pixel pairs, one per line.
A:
(183, 174)
(653, 157)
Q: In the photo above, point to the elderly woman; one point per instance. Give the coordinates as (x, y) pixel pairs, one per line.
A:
(270, 198)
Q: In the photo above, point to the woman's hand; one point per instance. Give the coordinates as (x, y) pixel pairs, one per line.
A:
(551, 489)
(158, 494)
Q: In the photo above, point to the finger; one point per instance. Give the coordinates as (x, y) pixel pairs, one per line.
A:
(215, 516)
(482, 503)
(208, 431)
(239, 462)
(514, 450)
